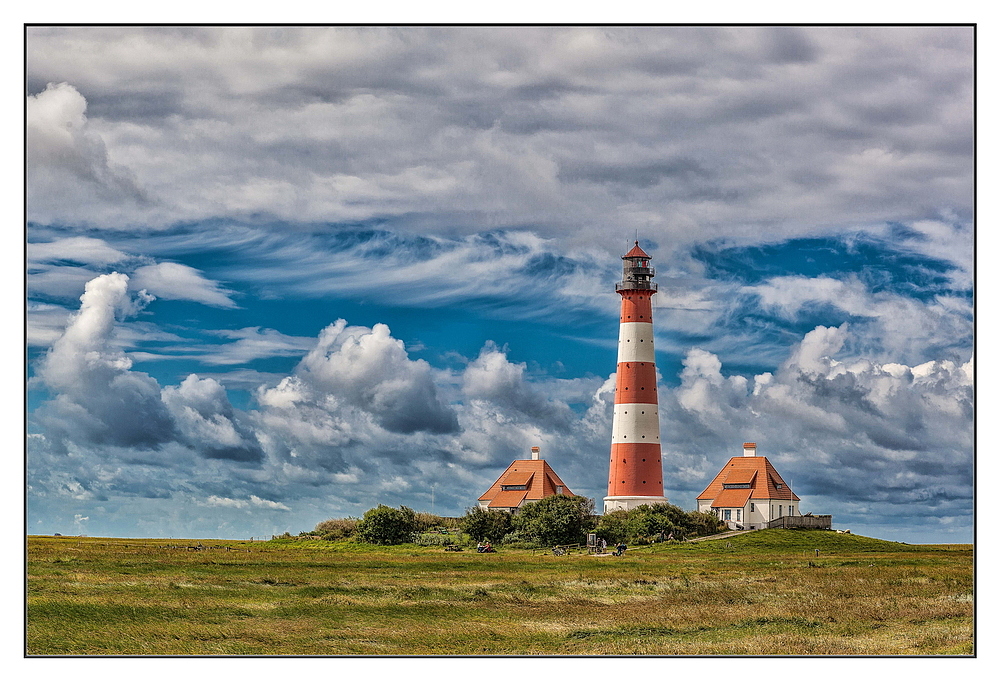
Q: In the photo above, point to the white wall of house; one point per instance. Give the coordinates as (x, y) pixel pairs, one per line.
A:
(756, 513)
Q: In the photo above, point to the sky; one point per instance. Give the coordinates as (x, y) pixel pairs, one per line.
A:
(281, 275)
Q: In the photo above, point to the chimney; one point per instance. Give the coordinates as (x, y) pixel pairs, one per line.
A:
(749, 449)
(534, 452)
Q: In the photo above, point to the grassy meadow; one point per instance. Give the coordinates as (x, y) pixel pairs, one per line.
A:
(772, 592)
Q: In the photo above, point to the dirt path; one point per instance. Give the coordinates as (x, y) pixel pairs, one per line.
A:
(720, 536)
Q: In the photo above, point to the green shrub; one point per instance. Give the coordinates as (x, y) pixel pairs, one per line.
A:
(705, 523)
(336, 529)
(650, 523)
(485, 524)
(613, 527)
(425, 521)
(387, 526)
(555, 520)
(442, 540)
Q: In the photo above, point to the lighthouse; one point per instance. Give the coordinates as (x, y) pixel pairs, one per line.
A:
(635, 475)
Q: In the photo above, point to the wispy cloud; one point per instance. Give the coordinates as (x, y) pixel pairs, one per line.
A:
(174, 281)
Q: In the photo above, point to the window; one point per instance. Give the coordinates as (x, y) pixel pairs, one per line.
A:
(751, 506)
(559, 490)
(779, 511)
(735, 485)
(739, 514)
(513, 487)
(727, 514)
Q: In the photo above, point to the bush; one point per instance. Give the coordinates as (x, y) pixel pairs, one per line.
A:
(613, 527)
(648, 523)
(442, 540)
(387, 526)
(705, 523)
(485, 524)
(425, 521)
(554, 520)
(336, 529)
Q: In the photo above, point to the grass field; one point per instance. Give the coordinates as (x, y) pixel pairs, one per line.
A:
(767, 592)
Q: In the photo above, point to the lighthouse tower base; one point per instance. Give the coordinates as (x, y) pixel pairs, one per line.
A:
(626, 502)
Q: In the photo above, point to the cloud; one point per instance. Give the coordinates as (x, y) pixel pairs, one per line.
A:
(86, 250)
(99, 398)
(894, 326)
(845, 428)
(770, 129)
(253, 501)
(45, 323)
(492, 377)
(253, 343)
(207, 421)
(370, 370)
(787, 180)
(850, 432)
(67, 162)
(177, 282)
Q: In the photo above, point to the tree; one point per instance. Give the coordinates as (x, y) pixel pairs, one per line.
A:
(387, 526)
(485, 524)
(555, 520)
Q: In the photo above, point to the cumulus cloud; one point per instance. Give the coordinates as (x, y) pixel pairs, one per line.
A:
(207, 421)
(98, 397)
(845, 428)
(67, 161)
(174, 281)
(372, 371)
(100, 400)
(492, 377)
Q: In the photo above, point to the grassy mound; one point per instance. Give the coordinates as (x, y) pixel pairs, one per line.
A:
(793, 540)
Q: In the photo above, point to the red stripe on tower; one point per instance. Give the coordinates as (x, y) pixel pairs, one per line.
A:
(635, 475)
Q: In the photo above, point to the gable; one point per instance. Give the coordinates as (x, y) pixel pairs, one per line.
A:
(755, 476)
(535, 475)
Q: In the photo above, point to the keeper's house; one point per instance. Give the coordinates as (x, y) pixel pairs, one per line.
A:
(748, 493)
(525, 480)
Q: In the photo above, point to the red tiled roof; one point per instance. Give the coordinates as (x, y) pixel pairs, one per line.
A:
(741, 476)
(508, 499)
(518, 478)
(732, 497)
(523, 472)
(636, 252)
(745, 470)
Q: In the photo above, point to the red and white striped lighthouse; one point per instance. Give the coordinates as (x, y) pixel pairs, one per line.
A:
(636, 473)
